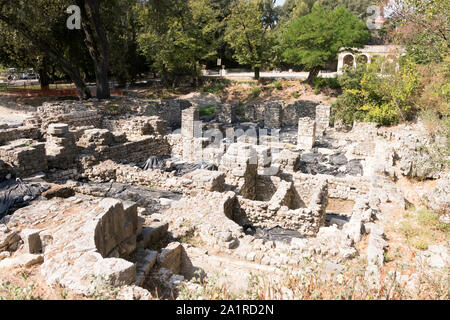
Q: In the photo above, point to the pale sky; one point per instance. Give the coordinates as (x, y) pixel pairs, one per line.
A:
(280, 2)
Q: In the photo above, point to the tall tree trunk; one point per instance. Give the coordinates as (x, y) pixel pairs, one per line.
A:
(52, 53)
(44, 77)
(97, 44)
(313, 75)
(257, 73)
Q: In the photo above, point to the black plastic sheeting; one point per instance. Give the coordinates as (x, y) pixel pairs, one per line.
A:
(317, 163)
(16, 194)
(181, 168)
(273, 234)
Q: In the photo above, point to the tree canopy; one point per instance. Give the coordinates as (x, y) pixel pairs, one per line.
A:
(315, 39)
(249, 33)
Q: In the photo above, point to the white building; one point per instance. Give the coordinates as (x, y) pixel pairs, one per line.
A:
(365, 55)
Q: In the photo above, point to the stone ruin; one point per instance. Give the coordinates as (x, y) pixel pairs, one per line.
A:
(125, 189)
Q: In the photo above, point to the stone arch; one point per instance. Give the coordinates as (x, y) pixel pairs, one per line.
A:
(363, 59)
(349, 60)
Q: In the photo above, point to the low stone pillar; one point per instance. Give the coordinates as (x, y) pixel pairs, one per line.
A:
(60, 146)
(306, 133)
(190, 120)
(322, 118)
(191, 130)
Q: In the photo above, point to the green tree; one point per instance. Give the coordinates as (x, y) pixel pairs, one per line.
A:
(249, 33)
(176, 35)
(357, 7)
(315, 39)
(423, 27)
(42, 23)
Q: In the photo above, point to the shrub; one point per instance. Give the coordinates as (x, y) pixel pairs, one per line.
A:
(375, 96)
(320, 83)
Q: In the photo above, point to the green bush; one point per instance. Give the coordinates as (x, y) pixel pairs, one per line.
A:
(383, 97)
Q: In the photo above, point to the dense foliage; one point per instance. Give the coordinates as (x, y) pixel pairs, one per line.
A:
(315, 39)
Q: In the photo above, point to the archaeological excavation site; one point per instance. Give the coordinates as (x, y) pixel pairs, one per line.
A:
(150, 200)
(224, 157)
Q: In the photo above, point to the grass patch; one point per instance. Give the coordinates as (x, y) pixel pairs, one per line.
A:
(422, 228)
(214, 86)
(112, 107)
(278, 85)
(207, 111)
(256, 92)
(10, 291)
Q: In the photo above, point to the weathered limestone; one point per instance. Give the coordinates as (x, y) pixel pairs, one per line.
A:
(14, 133)
(285, 210)
(74, 115)
(23, 261)
(102, 145)
(306, 133)
(226, 113)
(190, 117)
(31, 240)
(25, 156)
(207, 180)
(346, 188)
(438, 198)
(240, 163)
(60, 146)
(153, 233)
(209, 213)
(9, 239)
(193, 143)
(137, 126)
(322, 118)
(80, 247)
(146, 259)
(116, 272)
(375, 254)
(170, 257)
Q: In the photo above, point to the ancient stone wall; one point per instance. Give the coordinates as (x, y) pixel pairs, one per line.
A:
(14, 133)
(25, 157)
(347, 188)
(104, 145)
(73, 115)
(299, 109)
(226, 113)
(283, 210)
(273, 114)
(137, 126)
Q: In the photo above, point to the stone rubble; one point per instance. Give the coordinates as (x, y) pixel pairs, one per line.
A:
(132, 198)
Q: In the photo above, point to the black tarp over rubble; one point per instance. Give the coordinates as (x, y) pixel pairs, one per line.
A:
(16, 194)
